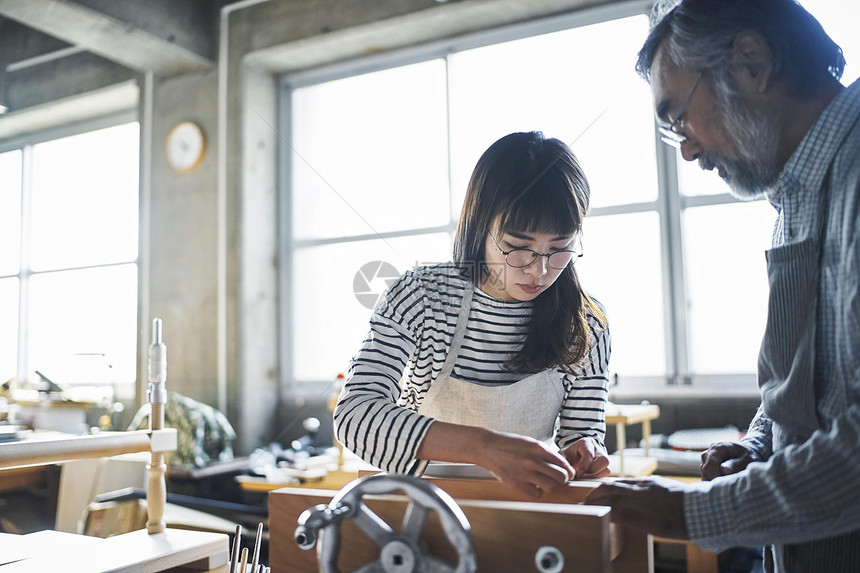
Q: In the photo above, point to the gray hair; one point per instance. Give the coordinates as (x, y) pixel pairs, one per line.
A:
(699, 36)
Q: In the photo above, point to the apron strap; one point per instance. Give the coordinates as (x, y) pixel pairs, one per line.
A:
(459, 332)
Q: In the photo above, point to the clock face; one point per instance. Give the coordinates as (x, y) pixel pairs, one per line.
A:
(185, 146)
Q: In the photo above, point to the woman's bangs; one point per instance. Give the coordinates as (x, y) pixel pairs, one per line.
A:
(544, 208)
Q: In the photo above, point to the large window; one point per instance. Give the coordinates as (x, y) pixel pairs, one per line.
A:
(380, 153)
(68, 266)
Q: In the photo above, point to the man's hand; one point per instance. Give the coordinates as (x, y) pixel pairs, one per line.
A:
(587, 459)
(655, 506)
(724, 458)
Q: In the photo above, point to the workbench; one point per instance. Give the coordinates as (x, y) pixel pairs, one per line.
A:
(174, 551)
(135, 552)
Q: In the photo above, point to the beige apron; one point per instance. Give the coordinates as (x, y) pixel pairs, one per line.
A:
(528, 407)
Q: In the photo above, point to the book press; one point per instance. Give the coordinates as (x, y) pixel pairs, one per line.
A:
(400, 524)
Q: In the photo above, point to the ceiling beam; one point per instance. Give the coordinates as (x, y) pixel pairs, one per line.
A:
(122, 41)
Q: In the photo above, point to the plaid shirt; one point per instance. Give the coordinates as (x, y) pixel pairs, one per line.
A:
(809, 487)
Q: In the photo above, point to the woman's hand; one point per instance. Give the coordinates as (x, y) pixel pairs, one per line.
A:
(587, 459)
(523, 463)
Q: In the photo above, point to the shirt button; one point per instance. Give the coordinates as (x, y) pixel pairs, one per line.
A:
(792, 233)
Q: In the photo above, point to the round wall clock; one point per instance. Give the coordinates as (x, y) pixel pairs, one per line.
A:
(185, 147)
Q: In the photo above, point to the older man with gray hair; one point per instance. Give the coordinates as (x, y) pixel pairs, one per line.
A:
(750, 88)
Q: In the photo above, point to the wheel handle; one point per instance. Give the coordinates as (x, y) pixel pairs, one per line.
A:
(400, 552)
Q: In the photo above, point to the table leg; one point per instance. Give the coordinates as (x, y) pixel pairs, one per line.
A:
(646, 435)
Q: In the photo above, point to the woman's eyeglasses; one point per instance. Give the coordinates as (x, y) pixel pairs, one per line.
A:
(558, 260)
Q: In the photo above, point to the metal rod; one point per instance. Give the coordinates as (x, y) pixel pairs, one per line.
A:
(237, 541)
(257, 541)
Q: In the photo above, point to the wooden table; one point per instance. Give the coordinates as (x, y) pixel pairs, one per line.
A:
(135, 552)
(19, 478)
(623, 415)
(332, 476)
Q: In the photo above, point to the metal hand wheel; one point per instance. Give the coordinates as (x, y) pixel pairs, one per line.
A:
(400, 552)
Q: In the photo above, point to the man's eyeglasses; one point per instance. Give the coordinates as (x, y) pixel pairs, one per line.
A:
(674, 133)
(558, 260)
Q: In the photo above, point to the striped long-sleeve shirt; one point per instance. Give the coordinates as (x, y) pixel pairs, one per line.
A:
(411, 330)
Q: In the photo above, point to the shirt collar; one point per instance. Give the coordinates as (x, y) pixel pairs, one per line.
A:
(808, 165)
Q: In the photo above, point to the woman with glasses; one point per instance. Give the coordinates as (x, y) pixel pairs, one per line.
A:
(490, 358)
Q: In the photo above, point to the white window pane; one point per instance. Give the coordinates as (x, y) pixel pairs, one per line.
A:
(726, 284)
(329, 320)
(839, 19)
(10, 212)
(370, 153)
(621, 268)
(85, 199)
(8, 328)
(76, 315)
(555, 83)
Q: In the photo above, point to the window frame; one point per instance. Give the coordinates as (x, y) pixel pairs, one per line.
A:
(25, 143)
(669, 206)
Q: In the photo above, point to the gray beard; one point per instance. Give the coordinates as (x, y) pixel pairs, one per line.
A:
(753, 168)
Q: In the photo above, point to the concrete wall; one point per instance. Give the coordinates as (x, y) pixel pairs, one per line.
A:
(183, 278)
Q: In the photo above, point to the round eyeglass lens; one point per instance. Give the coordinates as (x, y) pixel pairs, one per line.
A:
(520, 257)
(560, 259)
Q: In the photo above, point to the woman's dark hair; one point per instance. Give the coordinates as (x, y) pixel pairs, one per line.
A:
(528, 183)
(700, 36)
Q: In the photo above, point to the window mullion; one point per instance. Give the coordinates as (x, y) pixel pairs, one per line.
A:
(24, 270)
(674, 283)
(287, 243)
(451, 209)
